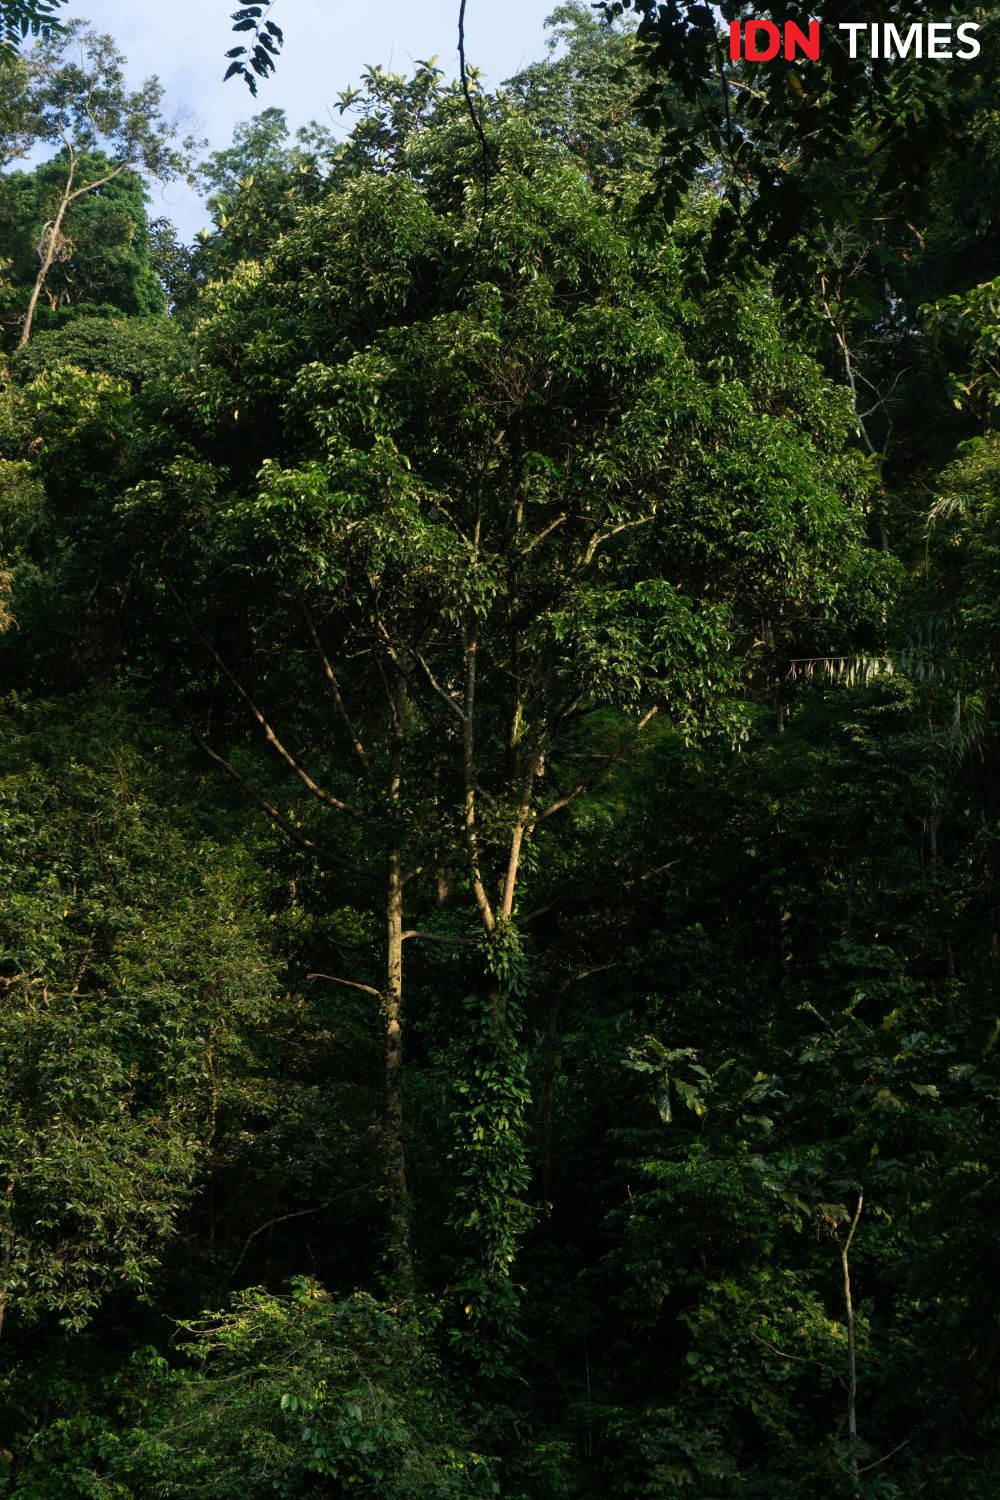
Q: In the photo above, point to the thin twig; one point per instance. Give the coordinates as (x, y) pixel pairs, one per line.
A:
(301, 1213)
(441, 691)
(886, 1456)
(587, 786)
(586, 973)
(477, 126)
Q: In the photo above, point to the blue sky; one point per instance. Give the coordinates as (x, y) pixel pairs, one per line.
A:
(327, 44)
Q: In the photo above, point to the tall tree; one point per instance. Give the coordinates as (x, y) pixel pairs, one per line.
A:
(104, 259)
(478, 465)
(78, 101)
(584, 94)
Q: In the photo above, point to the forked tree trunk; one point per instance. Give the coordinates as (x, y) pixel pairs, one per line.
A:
(52, 232)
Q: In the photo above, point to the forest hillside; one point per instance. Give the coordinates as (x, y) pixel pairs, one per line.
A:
(499, 814)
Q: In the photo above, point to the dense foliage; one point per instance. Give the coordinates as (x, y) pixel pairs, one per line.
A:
(500, 928)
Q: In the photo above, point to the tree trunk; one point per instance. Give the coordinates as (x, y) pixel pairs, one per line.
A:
(52, 233)
(399, 1204)
(392, 1009)
(852, 1358)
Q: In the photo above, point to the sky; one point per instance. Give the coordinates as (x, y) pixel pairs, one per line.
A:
(327, 45)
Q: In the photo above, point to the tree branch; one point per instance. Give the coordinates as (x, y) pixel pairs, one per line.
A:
(878, 1462)
(599, 538)
(300, 1213)
(586, 973)
(394, 656)
(477, 124)
(586, 786)
(269, 734)
(537, 540)
(468, 753)
(852, 1363)
(521, 827)
(277, 818)
(540, 911)
(349, 984)
(442, 691)
(438, 937)
(333, 689)
(99, 182)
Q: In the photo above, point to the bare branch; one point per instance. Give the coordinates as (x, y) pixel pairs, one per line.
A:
(349, 984)
(394, 657)
(599, 538)
(877, 1463)
(586, 786)
(269, 734)
(536, 541)
(47, 250)
(477, 124)
(540, 911)
(850, 373)
(99, 182)
(436, 502)
(301, 1213)
(439, 937)
(586, 973)
(444, 693)
(333, 688)
(277, 818)
(520, 828)
(852, 1364)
